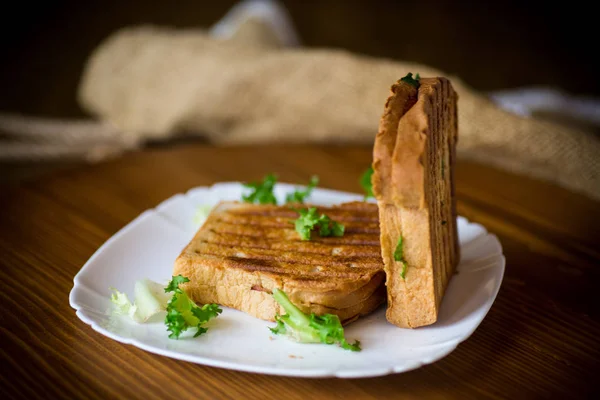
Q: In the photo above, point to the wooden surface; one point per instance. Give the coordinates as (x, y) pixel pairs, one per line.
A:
(539, 340)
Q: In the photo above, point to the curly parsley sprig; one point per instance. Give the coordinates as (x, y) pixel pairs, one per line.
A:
(183, 313)
(309, 220)
(262, 192)
(300, 195)
(416, 81)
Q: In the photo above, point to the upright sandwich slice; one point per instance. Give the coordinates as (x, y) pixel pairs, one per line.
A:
(413, 181)
(244, 251)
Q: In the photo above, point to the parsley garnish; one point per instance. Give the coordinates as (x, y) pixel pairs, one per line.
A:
(262, 192)
(309, 220)
(399, 256)
(309, 328)
(365, 182)
(173, 286)
(300, 195)
(410, 80)
(183, 313)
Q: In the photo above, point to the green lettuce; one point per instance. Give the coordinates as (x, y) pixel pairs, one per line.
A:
(183, 313)
(150, 299)
(309, 328)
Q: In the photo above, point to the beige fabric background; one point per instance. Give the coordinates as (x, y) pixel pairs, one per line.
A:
(151, 82)
(156, 82)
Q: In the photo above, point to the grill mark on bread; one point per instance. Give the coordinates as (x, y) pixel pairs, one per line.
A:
(444, 144)
(360, 207)
(286, 245)
(267, 221)
(434, 200)
(287, 215)
(354, 238)
(292, 257)
(301, 271)
(359, 214)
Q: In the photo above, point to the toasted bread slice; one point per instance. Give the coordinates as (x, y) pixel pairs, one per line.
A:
(244, 251)
(413, 181)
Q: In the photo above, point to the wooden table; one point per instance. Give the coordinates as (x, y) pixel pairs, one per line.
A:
(540, 339)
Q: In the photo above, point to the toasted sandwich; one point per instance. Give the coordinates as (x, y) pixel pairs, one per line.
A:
(413, 181)
(243, 251)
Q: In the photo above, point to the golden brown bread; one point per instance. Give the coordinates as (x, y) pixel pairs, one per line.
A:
(413, 181)
(244, 251)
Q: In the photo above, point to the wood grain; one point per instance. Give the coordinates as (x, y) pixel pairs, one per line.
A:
(539, 340)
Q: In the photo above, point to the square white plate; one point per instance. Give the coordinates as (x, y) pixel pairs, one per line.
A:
(148, 246)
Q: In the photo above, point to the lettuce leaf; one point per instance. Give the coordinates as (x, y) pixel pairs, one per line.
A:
(150, 299)
(183, 313)
(309, 328)
(121, 303)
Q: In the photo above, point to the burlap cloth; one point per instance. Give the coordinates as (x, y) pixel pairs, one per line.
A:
(152, 82)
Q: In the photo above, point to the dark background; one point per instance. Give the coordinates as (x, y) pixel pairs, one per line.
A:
(491, 45)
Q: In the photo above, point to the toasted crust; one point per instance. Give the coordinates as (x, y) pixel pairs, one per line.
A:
(403, 97)
(413, 182)
(242, 252)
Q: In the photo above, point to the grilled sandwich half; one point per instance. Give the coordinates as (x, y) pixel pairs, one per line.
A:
(243, 251)
(413, 180)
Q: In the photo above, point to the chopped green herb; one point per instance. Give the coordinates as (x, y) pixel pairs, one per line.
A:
(300, 195)
(365, 182)
(399, 252)
(399, 256)
(410, 80)
(262, 192)
(403, 272)
(306, 222)
(309, 220)
(309, 328)
(444, 222)
(183, 313)
(173, 286)
(327, 227)
(443, 167)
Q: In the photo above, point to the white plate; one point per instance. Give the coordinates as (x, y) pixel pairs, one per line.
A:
(148, 246)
